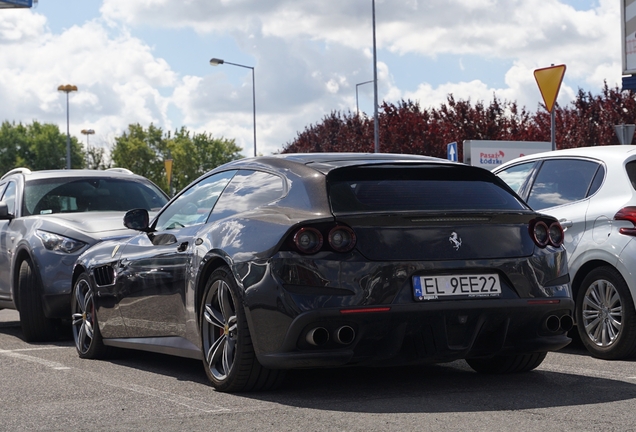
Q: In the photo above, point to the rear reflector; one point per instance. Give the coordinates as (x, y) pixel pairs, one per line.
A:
(544, 302)
(365, 310)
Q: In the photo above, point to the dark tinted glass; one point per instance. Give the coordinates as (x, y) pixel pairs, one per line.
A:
(598, 180)
(66, 195)
(193, 206)
(248, 190)
(560, 182)
(630, 167)
(516, 175)
(9, 197)
(418, 189)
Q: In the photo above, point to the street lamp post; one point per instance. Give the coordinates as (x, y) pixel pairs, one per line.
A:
(357, 85)
(216, 62)
(67, 88)
(87, 132)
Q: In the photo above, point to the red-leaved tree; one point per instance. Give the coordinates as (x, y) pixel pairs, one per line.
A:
(405, 127)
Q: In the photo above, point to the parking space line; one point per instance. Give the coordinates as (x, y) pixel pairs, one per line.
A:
(32, 359)
(165, 396)
(159, 394)
(584, 371)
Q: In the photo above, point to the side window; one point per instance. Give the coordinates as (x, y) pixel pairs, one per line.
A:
(194, 205)
(9, 197)
(560, 182)
(516, 176)
(598, 180)
(248, 190)
(630, 167)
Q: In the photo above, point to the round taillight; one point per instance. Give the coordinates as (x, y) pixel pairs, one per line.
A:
(342, 239)
(540, 234)
(555, 233)
(308, 240)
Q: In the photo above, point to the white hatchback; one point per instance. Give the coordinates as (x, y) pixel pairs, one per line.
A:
(592, 192)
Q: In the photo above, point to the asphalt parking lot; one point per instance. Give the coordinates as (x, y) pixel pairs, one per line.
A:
(47, 387)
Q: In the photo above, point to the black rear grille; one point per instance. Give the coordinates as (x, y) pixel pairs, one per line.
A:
(104, 275)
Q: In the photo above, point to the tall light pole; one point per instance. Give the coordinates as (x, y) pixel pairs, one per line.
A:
(357, 85)
(67, 88)
(216, 62)
(87, 132)
(376, 125)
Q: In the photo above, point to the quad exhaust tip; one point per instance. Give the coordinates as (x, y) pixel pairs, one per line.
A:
(318, 336)
(345, 335)
(554, 323)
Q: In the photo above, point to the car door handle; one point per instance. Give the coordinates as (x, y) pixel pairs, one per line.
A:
(566, 223)
(182, 247)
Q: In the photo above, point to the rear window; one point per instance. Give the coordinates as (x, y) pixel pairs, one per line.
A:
(430, 188)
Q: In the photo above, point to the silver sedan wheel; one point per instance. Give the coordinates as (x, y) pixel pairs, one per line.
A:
(220, 331)
(602, 313)
(83, 313)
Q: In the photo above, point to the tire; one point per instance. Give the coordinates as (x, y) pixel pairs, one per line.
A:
(228, 354)
(36, 327)
(507, 364)
(88, 339)
(605, 316)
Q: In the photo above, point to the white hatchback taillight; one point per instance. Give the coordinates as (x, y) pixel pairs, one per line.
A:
(627, 214)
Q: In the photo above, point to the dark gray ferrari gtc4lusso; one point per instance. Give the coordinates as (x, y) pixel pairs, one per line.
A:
(322, 260)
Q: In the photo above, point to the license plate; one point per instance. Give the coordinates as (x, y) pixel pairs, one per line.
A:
(435, 287)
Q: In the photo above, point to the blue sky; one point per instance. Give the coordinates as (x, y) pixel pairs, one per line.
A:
(147, 62)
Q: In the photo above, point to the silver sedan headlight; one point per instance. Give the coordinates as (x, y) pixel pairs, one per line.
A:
(58, 243)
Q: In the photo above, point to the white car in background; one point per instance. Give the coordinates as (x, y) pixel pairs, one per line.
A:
(592, 192)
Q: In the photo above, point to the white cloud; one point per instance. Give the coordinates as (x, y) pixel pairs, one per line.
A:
(308, 57)
(117, 76)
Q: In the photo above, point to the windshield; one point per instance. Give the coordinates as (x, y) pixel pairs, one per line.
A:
(72, 195)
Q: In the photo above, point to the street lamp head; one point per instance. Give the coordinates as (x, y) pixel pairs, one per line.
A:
(88, 131)
(216, 62)
(67, 88)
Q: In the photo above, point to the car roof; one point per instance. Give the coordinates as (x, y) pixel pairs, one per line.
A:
(325, 162)
(46, 174)
(609, 153)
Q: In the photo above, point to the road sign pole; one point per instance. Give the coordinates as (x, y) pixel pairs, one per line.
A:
(553, 129)
(549, 81)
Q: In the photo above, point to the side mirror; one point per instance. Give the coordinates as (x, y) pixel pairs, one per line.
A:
(137, 219)
(4, 211)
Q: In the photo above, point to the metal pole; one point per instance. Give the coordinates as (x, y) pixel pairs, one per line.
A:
(552, 129)
(357, 85)
(254, 107)
(376, 126)
(215, 62)
(68, 136)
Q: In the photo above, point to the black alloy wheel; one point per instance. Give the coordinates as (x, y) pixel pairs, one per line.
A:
(229, 358)
(605, 316)
(88, 340)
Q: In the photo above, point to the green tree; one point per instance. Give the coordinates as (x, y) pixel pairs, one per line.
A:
(37, 146)
(96, 158)
(144, 152)
(141, 151)
(195, 154)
